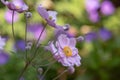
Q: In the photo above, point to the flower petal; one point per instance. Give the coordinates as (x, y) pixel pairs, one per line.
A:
(4, 2)
(63, 40)
(74, 51)
(65, 62)
(51, 47)
(4, 57)
(53, 15)
(72, 42)
(43, 12)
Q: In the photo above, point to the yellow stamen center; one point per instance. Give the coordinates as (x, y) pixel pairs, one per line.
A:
(18, 7)
(67, 51)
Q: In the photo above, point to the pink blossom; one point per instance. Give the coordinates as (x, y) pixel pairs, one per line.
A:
(16, 5)
(64, 51)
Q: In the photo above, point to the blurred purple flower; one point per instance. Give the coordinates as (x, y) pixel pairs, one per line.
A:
(8, 16)
(107, 8)
(20, 45)
(104, 34)
(64, 51)
(92, 5)
(2, 43)
(36, 30)
(90, 36)
(49, 16)
(94, 16)
(4, 57)
(16, 5)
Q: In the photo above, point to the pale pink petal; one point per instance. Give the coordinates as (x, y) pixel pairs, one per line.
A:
(53, 15)
(63, 40)
(65, 62)
(5, 2)
(72, 42)
(51, 47)
(71, 60)
(43, 12)
(74, 51)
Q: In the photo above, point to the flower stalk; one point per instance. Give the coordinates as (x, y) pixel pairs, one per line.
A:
(13, 24)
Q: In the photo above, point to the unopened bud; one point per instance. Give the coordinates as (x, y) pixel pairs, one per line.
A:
(40, 70)
(80, 38)
(66, 27)
(29, 45)
(28, 14)
(71, 69)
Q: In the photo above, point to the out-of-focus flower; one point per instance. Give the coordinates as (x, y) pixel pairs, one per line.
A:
(72, 31)
(4, 57)
(49, 16)
(92, 5)
(36, 30)
(64, 51)
(16, 5)
(104, 34)
(85, 29)
(2, 43)
(8, 16)
(20, 45)
(94, 16)
(48, 4)
(90, 36)
(107, 8)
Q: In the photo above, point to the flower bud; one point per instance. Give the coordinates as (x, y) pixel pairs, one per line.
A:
(71, 69)
(28, 14)
(66, 27)
(40, 70)
(80, 38)
(29, 45)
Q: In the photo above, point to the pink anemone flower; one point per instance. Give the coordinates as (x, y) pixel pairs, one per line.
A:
(16, 5)
(64, 51)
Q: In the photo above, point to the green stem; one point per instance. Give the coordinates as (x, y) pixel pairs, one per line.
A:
(26, 37)
(45, 72)
(24, 69)
(38, 42)
(13, 24)
(60, 75)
